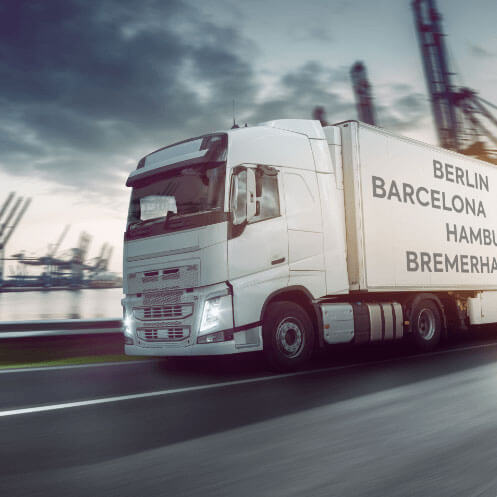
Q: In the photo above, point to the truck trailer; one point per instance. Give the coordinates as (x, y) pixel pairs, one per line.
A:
(288, 236)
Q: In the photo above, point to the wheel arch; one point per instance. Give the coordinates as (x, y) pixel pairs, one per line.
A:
(302, 297)
(415, 299)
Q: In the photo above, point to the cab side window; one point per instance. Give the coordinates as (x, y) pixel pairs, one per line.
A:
(268, 199)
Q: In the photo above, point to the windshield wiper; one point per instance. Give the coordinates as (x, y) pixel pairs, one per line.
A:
(190, 204)
(169, 216)
(145, 222)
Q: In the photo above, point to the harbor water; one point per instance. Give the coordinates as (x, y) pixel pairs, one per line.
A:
(61, 304)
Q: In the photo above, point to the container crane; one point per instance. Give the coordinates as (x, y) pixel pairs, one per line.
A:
(108, 257)
(461, 116)
(13, 216)
(362, 92)
(55, 248)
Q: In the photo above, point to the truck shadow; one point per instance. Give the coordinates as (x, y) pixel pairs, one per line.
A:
(225, 368)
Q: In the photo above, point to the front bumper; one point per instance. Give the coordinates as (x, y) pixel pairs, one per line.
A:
(171, 327)
(222, 348)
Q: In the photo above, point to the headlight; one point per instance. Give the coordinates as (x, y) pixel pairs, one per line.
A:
(217, 313)
(127, 326)
(210, 316)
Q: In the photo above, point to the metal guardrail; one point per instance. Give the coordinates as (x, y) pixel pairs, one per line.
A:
(59, 327)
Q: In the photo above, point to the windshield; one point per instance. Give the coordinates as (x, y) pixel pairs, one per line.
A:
(178, 194)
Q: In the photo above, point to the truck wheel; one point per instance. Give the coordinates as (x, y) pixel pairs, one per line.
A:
(288, 336)
(425, 324)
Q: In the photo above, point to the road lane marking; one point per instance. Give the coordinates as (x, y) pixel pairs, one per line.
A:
(159, 393)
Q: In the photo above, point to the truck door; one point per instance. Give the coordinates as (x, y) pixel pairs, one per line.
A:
(257, 240)
(305, 231)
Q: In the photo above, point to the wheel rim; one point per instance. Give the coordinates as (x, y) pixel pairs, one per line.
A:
(426, 324)
(290, 337)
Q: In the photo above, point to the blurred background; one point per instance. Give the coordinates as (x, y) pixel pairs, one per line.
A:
(88, 88)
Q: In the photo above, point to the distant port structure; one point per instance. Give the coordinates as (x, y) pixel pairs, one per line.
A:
(463, 120)
(71, 270)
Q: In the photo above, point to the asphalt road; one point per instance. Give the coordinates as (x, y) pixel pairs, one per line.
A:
(371, 422)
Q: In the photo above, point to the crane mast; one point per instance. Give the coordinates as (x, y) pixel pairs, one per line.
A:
(437, 74)
(9, 224)
(54, 249)
(457, 112)
(362, 92)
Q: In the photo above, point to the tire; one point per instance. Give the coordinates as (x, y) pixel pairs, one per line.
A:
(288, 336)
(425, 324)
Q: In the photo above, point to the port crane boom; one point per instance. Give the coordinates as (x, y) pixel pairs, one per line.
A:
(461, 116)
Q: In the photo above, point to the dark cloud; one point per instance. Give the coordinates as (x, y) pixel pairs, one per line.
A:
(407, 111)
(400, 87)
(87, 86)
(86, 83)
(479, 51)
(308, 86)
(313, 34)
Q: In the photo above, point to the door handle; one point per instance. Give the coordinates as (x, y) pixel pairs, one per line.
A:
(277, 261)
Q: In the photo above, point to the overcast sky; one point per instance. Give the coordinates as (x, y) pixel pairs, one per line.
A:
(88, 87)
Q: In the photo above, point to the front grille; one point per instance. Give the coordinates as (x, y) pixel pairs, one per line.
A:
(169, 334)
(170, 274)
(159, 297)
(172, 311)
(164, 280)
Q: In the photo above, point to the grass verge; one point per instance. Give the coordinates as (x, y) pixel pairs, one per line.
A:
(62, 350)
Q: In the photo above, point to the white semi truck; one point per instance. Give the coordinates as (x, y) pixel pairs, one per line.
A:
(287, 236)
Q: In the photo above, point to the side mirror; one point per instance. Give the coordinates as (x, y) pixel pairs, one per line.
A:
(251, 194)
(243, 201)
(238, 200)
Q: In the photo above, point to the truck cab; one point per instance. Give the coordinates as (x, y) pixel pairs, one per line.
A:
(226, 233)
